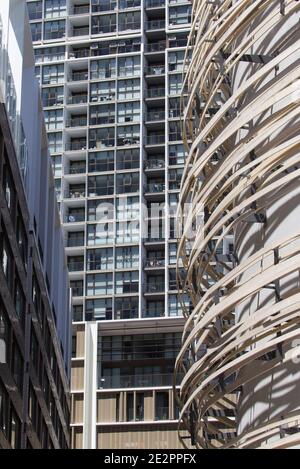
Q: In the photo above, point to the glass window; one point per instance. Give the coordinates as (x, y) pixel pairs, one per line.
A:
(129, 66)
(36, 31)
(127, 257)
(176, 154)
(55, 8)
(100, 185)
(54, 119)
(129, 112)
(127, 232)
(127, 208)
(101, 161)
(100, 259)
(54, 29)
(55, 142)
(180, 15)
(98, 309)
(129, 21)
(129, 89)
(35, 10)
(104, 24)
(53, 96)
(103, 91)
(101, 233)
(53, 74)
(127, 282)
(128, 135)
(127, 183)
(102, 69)
(99, 284)
(128, 159)
(4, 337)
(101, 115)
(175, 84)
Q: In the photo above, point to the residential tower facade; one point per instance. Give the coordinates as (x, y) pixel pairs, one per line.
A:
(111, 75)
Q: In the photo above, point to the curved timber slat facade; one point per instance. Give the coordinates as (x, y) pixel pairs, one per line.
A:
(242, 130)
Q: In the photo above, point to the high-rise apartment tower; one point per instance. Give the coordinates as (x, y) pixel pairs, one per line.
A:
(111, 75)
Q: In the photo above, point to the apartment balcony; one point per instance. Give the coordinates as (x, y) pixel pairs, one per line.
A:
(155, 140)
(156, 25)
(77, 291)
(155, 116)
(80, 10)
(154, 288)
(149, 313)
(155, 50)
(74, 218)
(138, 381)
(78, 76)
(127, 289)
(155, 73)
(155, 188)
(77, 122)
(51, 102)
(76, 146)
(155, 4)
(77, 100)
(76, 169)
(80, 31)
(99, 167)
(76, 266)
(74, 194)
(154, 263)
(51, 35)
(154, 165)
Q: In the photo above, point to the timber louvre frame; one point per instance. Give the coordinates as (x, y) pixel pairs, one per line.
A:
(243, 167)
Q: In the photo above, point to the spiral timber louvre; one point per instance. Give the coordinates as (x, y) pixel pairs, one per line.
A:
(241, 127)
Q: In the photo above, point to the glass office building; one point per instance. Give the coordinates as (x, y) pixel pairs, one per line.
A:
(111, 75)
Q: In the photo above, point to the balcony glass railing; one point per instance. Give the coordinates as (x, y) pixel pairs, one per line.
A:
(101, 166)
(103, 5)
(81, 32)
(155, 187)
(76, 266)
(153, 116)
(155, 24)
(80, 10)
(74, 218)
(156, 47)
(155, 3)
(155, 163)
(139, 381)
(124, 4)
(77, 291)
(154, 287)
(79, 76)
(155, 262)
(75, 146)
(77, 122)
(76, 170)
(77, 99)
(155, 93)
(149, 313)
(74, 194)
(155, 139)
(155, 70)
